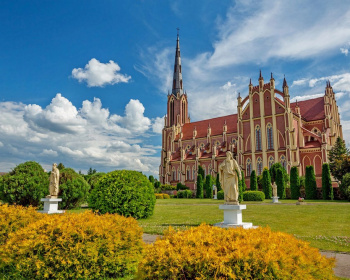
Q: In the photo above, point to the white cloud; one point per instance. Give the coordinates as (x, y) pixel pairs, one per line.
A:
(227, 86)
(97, 74)
(1, 144)
(49, 152)
(344, 51)
(306, 97)
(158, 125)
(299, 82)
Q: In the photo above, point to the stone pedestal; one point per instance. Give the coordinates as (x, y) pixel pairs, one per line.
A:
(51, 206)
(275, 199)
(233, 216)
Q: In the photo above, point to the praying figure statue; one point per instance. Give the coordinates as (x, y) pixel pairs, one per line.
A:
(274, 189)
(229, 175)
(54, 181)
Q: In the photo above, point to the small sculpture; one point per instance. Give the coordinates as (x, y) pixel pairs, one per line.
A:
(54, 182)
(228, 170)
(274, 189)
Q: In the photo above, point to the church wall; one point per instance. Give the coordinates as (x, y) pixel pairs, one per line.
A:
(267, 103)
(256, 105)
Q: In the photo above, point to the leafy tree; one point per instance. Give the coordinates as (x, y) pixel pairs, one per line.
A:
(218, 185)
(345, 186)
(281, 185)
(60, 166)
(339, 159)
(91, 171)
(208, 187)
(266, 185)
(93, 179)
(157, 185)
(310, 183)
(199, 193)
(294, 183)
(180, 186)
(253, 181)
(151, 179)
(244, 186)
(25, 185)
(201, 171)
(327, 188)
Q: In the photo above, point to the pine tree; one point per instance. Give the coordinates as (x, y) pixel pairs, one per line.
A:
(244, 186)
(199, 193)
(339, 159)
(280, 182)
(60, 166)
(327, 189)
(208, 187)
(267, 183)
(310, 183)
(218, 185)
(253, 181)
(294, 183)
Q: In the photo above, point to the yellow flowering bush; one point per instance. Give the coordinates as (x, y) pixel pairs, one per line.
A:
(207, 252)
(14, 217)
(159, 195)
(74, 246)
(166, 196)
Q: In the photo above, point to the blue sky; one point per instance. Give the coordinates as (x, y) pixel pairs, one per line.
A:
(85, 82)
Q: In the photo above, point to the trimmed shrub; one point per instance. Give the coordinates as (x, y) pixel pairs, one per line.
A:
(253, 181)
(345, 186)
(93, 179)
(74, 190)
(184, 194)
(220, 195)
(199, 193)
(281, 185)
(218, 185)
(207, 252)
(294, 183)
(267, 183)
(310, 183)
(128, 193)
(208, 187)
(159, 195)
(14, 217)
(25, 185)
(74, 246)
(167, 187)
(327, 188)
(244, 186)
(166, 196)
(201, 172)
(180, 186)
(253, 196)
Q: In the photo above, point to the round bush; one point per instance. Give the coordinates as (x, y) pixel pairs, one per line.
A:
(93, 179)
(184, 194)
(74, 246)
(166, 196)
(253, 196)
(74, 190)
(207, 252)
(159, 196)
(128, 193)
(25, 185)
(220, 195)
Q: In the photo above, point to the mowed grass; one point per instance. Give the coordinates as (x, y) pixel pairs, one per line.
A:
(326, 225)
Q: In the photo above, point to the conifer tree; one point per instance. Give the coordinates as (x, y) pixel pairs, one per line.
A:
(199, 193)
(294, 183)
(310, 183)
(253, 181)
(327, 189)
(218, 185)
(201, 172)
(244, 186)
(281, 186)
(267, 184)
(208, 187)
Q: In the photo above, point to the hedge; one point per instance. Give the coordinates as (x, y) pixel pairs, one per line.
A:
(253, 196)
(220, 195)
(184, 194)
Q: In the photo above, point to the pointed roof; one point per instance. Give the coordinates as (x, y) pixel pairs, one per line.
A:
(284, 82)
(177, 78)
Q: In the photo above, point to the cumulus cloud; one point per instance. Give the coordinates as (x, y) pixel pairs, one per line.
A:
(158, 125)
(97, 74)
(344, 51)
(49, 152)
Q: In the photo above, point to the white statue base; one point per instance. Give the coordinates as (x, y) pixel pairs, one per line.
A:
(51, 206)
(233, 216)
(275, 199)
(215, 196)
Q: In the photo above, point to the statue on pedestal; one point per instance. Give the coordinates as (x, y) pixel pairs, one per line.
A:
(230, 174)
(274, 189)
(54, 182)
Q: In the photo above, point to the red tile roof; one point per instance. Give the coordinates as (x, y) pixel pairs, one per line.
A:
(216, 125)
(312, 109)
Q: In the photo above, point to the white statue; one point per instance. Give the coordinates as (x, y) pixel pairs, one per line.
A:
(274, 189)
(54, 181)
(229, 180)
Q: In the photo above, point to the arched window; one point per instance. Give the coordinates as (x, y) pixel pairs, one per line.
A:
(193, 173)
(283, 161)
(188, 173)
(271, 161)
(259, 165)
(174, 174)
(172, 118)
(179, 176)
(269, 137)
(183, 111)
(258, 138)
(249, 167)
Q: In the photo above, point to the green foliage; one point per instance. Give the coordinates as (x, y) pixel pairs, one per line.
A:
(151, 179)
(302, 181)
(180, 186)
(244, 186)
(253, 181)
(345, 186)
(273, 172)
(310, 183)
(167, 187)
(253, 196)
(91, 171)
(266, 185)
(201, 172)
(157, 185)
(128, 193)
(74, 190)
(294, 183)
(327, 188)
(259, 179)
(220, 195)
(280, 182)
(184, 194)
(25, 185)
(60, 166)
(93, 179)
(208, 187)
(339, 161)
(218, 185)
(199, 193)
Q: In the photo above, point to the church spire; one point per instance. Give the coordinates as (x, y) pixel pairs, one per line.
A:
(177, 80)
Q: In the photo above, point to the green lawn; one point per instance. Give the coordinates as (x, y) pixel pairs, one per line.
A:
(326, 225)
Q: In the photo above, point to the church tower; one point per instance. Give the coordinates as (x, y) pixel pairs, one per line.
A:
(177, 113)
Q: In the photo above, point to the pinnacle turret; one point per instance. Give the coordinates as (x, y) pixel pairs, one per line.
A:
(177, 79)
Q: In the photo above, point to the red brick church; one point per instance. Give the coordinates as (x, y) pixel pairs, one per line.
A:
(267, 128)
